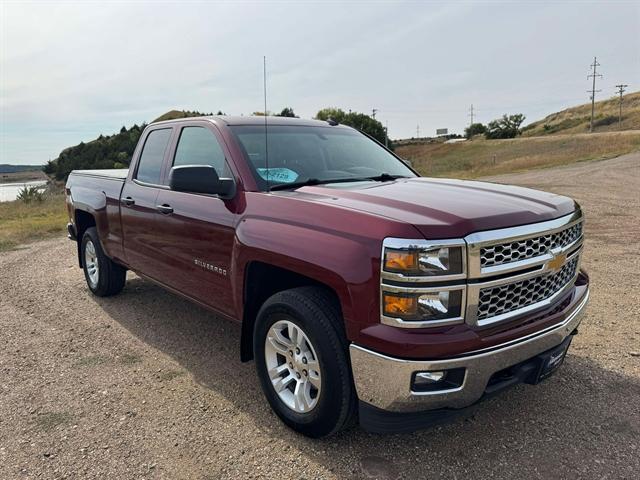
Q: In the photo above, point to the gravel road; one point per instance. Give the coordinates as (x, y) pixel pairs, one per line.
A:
(146, 385)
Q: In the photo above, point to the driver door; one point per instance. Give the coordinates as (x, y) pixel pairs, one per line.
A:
(195, 232)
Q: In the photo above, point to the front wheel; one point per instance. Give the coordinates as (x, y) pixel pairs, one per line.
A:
(302, 362)
(104, 277)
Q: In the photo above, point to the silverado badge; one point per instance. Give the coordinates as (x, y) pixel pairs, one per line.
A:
(210, 267)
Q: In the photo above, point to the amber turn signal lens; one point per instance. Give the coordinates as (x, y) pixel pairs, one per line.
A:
(400, 260)
(400, 306)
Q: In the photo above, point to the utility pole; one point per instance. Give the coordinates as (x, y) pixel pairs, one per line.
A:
(418, 131)
(471, 114)
(386, 133)
(373, 113)
(620, 88)
(593, 90)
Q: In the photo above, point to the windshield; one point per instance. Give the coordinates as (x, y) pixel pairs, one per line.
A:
(298, 154)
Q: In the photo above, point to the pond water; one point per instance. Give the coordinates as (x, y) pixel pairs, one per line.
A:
(9, 191)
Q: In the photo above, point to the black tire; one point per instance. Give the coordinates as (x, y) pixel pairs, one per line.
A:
(316, 312)
(111, 277)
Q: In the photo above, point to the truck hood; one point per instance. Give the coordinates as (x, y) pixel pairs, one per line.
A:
(443, 208)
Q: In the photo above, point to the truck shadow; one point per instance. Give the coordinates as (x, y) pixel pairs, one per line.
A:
(573, 425)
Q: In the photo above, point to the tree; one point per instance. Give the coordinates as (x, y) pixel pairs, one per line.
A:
(359, 121)
(50, 167)
(287, 112)
(474, 129)
(506, 127)
(331, 113)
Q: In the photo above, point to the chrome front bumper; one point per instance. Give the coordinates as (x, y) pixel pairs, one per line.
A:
(385, 382)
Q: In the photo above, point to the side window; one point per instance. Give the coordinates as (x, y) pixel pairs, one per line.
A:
(199, 146)
(150, 164)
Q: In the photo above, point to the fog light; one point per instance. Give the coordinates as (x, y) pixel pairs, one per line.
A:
(438, 380)
(427, 378)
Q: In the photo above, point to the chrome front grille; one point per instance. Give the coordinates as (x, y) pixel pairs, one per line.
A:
(528, 248)
(522, 269)
(494, 301)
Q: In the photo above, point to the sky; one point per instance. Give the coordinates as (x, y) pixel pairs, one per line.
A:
(70, 71)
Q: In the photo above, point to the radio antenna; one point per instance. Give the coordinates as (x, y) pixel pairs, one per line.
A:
(266, 144)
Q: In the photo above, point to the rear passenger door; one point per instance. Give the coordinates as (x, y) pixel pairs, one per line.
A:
(138, 202)
(195, 234)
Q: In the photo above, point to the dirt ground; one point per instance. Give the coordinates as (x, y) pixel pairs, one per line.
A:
(146, 385)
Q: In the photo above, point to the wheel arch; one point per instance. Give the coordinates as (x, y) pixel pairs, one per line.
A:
(83, 220)
(263, 280)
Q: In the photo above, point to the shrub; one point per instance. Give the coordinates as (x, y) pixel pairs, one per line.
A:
(506, 127)
(474, 129)
(605, 121)
(31, 194)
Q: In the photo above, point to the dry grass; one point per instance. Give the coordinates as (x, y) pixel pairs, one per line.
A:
(22, 223)
(576, 119)
(481, 157)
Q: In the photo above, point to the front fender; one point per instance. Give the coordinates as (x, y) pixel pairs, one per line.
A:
(344, 264)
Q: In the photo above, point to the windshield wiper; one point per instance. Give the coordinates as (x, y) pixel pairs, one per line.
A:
(383, 177)
(314, 181)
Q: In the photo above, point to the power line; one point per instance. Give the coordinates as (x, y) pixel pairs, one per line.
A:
(620, 88)
(593, 90)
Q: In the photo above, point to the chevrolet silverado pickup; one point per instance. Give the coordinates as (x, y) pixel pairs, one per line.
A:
(363, 291)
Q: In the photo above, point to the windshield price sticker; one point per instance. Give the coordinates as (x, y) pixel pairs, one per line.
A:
(283, 175)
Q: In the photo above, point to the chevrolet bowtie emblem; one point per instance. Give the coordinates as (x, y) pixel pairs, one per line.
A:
(556, 263)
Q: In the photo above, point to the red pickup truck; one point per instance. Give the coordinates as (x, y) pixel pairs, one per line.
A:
(363, 290)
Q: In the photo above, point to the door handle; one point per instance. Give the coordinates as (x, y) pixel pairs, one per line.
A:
(165, 209)
(128, 201)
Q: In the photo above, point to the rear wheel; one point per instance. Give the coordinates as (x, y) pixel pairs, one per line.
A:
(302, 362)
(104, 277)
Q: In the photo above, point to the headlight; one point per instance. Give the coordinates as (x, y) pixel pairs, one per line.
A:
(423, 282)
(423, 305)
(426, 261)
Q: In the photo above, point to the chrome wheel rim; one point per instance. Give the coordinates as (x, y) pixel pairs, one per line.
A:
(293, 367)
(91, 263)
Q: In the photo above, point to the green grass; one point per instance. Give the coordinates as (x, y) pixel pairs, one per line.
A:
(170, 375)
(22, 223)
(92, 361)
(479, 157)
(129, 359)
(50, 420)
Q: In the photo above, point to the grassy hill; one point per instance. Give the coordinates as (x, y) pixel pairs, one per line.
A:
(576, 119)
(481, 157)
(558, 139)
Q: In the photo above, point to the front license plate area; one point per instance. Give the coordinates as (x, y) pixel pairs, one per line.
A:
(551, 360)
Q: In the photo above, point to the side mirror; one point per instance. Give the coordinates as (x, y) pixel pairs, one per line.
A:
(200, 179)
